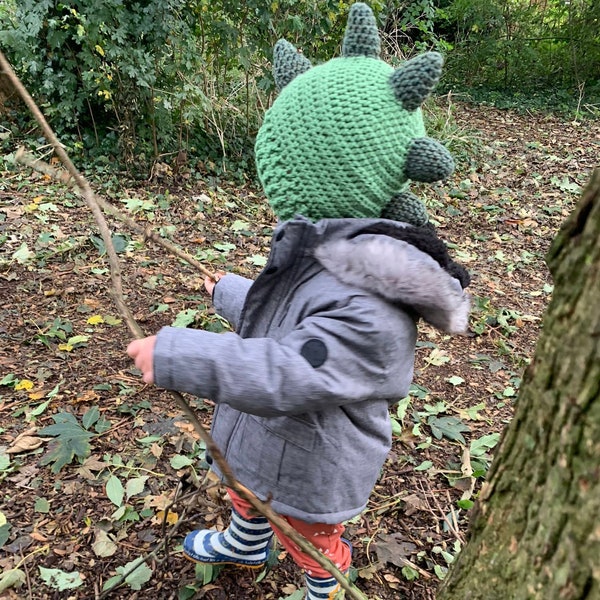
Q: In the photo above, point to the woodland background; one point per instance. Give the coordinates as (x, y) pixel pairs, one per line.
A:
(129, 83)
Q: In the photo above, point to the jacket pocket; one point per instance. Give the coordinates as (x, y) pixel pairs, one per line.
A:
(272, 448)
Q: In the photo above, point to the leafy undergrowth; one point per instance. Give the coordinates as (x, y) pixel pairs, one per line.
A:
(97, 468)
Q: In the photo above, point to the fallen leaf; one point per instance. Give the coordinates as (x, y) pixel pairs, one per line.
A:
(394, 549)
(38, 537)
(156, 450)
(24, 384)
(25, 443)
(103, 546)
(159, 517)
(414, 503)
(87, 396)
(94, 464)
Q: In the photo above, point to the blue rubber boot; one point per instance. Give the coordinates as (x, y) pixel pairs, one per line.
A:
(322, 589)
(244, 543)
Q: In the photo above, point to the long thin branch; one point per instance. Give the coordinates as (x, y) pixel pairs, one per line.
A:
(117, 293)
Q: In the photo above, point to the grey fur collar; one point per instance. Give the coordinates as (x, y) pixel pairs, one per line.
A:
(401, 273)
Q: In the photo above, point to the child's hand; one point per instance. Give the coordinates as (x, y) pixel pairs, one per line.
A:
(142, 352)
(209, 282)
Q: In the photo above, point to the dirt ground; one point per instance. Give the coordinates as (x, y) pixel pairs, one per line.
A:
(132, 468)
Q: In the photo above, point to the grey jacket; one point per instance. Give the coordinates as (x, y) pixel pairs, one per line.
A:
(324, 344)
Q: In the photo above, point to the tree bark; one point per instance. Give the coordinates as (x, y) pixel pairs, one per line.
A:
(535, 531)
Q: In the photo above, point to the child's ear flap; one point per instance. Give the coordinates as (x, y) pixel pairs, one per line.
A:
(288, 63)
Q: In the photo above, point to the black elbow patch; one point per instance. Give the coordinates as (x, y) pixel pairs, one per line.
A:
(315, 352)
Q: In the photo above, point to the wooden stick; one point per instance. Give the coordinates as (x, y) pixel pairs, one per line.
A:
(117, 293)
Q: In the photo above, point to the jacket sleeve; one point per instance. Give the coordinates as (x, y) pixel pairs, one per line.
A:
(360, 351)
(229, 295)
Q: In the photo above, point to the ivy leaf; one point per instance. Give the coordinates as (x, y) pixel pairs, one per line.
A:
(71, 440)
(449, 427)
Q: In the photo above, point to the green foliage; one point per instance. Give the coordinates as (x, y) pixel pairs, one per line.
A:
(135, 572)
(525, 47)
(72, 439)
(409, 28)
(128, 84)
(138, 81)
(60, 580)
(98, 68)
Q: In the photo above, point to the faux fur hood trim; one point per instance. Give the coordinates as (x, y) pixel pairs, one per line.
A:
(401, 273)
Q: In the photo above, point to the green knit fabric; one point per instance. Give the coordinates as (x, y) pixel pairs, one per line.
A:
(338, 141)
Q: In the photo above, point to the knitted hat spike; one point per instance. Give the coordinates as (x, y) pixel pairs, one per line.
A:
(344, 138)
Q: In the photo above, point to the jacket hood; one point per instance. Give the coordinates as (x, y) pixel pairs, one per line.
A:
(406, 265)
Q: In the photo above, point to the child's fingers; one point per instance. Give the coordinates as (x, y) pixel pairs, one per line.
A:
(133, 348)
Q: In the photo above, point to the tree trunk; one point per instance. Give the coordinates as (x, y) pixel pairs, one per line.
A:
(535, 531)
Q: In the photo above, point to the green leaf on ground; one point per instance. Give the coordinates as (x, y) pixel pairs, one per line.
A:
(60, 580)
(179, 461)
(426, 464)
(185, 317)
(23, 254)
(71, 440)
(139, 576)
(485, 443)
(257, 260)
(135, 486)
(11, 578)
(449, 427)
(41, 505)
(115, 490)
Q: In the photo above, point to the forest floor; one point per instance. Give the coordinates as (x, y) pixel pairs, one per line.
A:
(96, 468)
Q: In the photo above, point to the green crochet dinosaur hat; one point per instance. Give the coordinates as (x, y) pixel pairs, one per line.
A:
(344, 138)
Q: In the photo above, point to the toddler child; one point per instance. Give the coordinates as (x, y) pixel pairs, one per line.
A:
(325, 336)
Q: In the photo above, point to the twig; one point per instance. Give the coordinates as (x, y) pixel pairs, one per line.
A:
(117, 293)
(452, 525)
